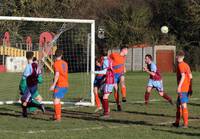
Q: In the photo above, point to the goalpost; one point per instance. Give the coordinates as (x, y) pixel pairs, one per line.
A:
(76, 37)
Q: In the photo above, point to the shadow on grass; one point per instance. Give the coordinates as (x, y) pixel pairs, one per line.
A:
(149, 114)
(9, 112)
(96, 117)
(89, 116)
(194, 104)
(185, 132)
(18, 114)
(156, 114)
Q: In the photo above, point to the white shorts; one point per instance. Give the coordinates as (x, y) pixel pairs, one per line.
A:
(108, 88)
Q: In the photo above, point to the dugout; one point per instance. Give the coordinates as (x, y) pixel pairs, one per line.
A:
(163, 56)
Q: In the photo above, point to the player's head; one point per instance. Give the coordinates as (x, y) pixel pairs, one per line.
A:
(104, 52)
(97, 62)
(180, 56)
(148, 59)
(124, 50)
(58, 53)
(34, 59)
(29, 55)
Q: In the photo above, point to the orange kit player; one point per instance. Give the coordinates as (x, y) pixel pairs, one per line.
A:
(119, 60)
(60, 84)
(184, 90)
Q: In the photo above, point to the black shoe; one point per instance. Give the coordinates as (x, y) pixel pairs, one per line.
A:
(123, 99)
(119, 107)
(42, 108)
(171, 102)
(24, 112)
(25, 115)
(175, 125)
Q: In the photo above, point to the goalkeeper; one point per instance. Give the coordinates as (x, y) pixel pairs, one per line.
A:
(29, 82)
(36, 98)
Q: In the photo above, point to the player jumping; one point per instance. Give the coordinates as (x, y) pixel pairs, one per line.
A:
(119, 60)
(155, 80)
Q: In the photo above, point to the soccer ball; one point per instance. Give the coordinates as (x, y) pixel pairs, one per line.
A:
(164, 29)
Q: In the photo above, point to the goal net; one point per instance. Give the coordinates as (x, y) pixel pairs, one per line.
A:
(43, 36)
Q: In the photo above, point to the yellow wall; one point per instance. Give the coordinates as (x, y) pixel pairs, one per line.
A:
(15, 52)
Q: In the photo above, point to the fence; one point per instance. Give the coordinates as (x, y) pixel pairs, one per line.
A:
(135, 57)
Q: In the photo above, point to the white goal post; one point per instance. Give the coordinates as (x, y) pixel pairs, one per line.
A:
(90, 58)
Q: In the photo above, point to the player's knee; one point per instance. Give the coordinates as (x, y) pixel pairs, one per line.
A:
(148, 89)
(161, 94)
(147, 92)
(122, 78)
(39, 98)
(184, 105)
(56, 101)
(95, 90)
(105, 96)
(115, 87)
(123, 85)
(122, 82)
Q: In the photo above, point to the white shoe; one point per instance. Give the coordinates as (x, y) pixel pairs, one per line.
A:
(98, 109)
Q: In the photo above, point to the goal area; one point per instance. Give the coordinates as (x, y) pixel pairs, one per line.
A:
(76, 37)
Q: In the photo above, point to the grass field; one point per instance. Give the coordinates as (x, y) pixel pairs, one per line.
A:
(135, 121)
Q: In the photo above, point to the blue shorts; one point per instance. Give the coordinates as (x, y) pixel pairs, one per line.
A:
(182, 98)
(59, 92)
(98, 81)
(117, 77)
(158, 85)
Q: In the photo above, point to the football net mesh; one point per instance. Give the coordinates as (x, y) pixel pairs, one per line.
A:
(74, 38)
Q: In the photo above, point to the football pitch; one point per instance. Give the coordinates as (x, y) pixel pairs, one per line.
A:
(136, 121)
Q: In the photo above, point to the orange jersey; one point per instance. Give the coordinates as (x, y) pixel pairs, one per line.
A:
(62, 67)
(184, 68)
(118, 62)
